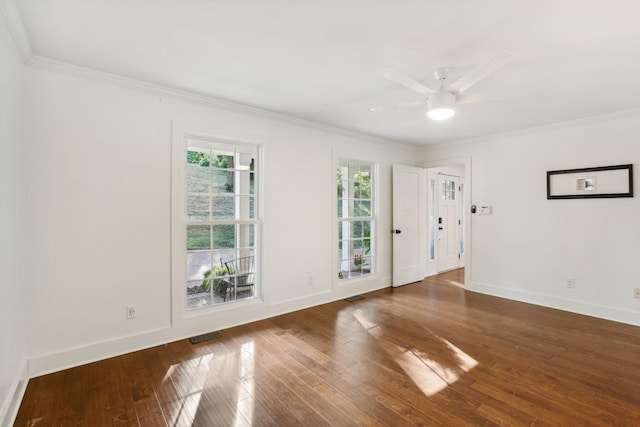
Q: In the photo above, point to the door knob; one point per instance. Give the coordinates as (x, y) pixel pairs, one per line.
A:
(396, 231)
(440, 228)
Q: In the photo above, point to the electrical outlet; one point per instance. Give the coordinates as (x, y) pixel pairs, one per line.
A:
(571, 283)
(131, 311)
(636, 293)
(310, 281)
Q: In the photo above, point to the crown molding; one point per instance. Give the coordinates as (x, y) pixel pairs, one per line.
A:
(9, 11)
(633, 113)
(11, 14)
(47, 64)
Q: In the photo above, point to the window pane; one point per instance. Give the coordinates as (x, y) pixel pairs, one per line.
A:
(245, 182)
(350, 205)
(247, 252)
(223, 207)
(365, 207)
(357, 211)
(246, 207)
(366, 228)
(246, 236)
(198, 157)
(222, 161)
(364, 183)
(356, 231)
(356, 269)
(367, 263)
(198, 237)
(197, 208)
(222, 182)
(448, 190)
(224, 236)
(245, 160)
(342, 180)
(197, 264)
(357, 193)
(343, 269)
(197, 179)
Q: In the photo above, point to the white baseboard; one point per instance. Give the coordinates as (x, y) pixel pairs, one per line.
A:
(589, 309)
(10, 407)
(53, 362)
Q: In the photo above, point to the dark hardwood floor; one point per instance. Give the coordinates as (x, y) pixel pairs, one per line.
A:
(428, 353)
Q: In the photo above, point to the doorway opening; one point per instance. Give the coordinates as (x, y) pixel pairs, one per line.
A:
(430, 231)
(446, 231)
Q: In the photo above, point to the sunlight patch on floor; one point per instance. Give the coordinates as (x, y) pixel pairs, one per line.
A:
(430, 373)
(194, 377)
(455, 283)
(245, 407)
(189, 378)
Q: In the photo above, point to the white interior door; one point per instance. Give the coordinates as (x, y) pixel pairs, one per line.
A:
(463, 225)
(409, 224)
(448, 223)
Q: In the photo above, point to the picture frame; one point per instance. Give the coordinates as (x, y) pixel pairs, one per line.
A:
(591, 183)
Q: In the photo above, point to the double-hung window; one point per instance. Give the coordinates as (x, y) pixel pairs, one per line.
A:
(356, 219)
(221, 221)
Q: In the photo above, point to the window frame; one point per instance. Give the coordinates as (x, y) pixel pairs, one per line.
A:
(372, 218)
(180, 220)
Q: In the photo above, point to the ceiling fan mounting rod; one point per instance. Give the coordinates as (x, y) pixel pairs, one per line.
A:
(440, 74)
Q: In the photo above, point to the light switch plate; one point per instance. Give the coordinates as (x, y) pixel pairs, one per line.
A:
(485, 210)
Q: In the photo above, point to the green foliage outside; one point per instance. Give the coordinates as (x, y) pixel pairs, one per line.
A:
(361, 193)
(219, 161)
(361, 207)
(204, 159)
(217, 271)
(206, 237)
(198, 158)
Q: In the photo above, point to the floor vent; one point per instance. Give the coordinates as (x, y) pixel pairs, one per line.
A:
(354, 298)
(205, 337)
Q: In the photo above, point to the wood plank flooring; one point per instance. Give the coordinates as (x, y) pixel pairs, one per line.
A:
(428, 354)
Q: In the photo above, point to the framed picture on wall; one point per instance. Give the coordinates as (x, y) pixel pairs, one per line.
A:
(591, 183)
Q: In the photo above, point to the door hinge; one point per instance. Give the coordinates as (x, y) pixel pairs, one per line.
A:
(459, 222)
(458, 256)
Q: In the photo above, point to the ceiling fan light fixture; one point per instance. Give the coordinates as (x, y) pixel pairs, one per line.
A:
(440, 106)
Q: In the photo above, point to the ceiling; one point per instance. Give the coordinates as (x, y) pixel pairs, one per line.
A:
(323, 60)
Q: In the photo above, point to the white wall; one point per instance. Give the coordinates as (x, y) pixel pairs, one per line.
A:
(99, 199)
(13, 229)
(530, 246)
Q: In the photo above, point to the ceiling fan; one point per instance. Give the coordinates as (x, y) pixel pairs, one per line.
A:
(441, 102)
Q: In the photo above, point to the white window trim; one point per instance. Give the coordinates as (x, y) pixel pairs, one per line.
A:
(375, 218)
(180, 133)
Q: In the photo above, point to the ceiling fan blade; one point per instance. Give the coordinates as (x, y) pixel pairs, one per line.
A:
(407, 82)
(411, 104)
(480, 72)
(474, 99)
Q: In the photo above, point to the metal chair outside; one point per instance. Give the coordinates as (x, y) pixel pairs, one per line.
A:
(241, 277)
